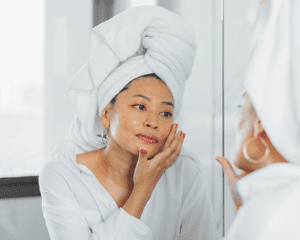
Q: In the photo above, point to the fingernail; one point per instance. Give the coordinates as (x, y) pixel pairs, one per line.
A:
(176, 125)
(184, 135)
(180, 133)
(143, 151)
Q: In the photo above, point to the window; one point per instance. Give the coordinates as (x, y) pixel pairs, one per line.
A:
(21, 88)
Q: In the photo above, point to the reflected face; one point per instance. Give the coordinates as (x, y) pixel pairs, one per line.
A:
(142, 116)
(243, 130)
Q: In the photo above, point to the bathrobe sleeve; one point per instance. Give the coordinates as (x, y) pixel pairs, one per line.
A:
(198, 219)
(64, 216)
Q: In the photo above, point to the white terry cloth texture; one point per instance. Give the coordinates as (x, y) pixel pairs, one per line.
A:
(273, 75)
(270, 207)
(139, 41)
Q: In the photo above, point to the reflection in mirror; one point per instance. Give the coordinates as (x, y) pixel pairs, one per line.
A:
(265, 145)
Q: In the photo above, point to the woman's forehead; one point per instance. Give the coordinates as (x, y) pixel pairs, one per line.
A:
(149, 86)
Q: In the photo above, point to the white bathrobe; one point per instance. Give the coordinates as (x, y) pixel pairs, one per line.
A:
(77, 207)
(270, 210)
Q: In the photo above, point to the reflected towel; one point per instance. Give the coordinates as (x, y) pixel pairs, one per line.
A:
(273, 75)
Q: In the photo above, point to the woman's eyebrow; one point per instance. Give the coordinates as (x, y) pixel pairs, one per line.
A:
(142, 96)
(168, 103)
(148, 99)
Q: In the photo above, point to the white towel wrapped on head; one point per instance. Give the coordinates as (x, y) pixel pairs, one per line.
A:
(137, 42)
(273, 75)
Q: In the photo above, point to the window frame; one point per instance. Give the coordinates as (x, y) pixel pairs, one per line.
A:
(19, 187)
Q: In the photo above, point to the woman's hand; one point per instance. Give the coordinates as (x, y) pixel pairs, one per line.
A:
(232, 178)
(148, 172)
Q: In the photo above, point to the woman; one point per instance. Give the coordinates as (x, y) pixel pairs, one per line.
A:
(267, 130)
(133, 182)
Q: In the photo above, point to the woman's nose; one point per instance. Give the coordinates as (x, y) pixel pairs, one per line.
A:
(151, 121)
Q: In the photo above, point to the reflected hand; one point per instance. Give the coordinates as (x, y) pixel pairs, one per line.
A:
(148, 172)
(232, 178)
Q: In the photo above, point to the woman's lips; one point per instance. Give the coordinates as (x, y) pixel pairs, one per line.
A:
(147, 139)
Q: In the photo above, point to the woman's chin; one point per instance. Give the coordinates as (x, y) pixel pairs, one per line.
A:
(243, 165)
(237, 163)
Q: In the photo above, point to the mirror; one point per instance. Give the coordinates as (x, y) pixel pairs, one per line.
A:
(67, 31)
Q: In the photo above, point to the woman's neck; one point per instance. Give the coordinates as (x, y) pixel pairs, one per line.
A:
(119, 164)
(275, 156)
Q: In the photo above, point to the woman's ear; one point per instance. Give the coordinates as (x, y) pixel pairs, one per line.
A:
(258, 128)
(105, 116)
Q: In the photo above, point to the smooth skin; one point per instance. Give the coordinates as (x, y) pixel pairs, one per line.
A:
(247, 125)
(128, 174)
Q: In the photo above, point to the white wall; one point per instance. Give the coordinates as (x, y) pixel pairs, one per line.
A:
(22, 219)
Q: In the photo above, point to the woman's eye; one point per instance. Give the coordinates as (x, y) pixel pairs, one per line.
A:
(167, 114)
(140, 107)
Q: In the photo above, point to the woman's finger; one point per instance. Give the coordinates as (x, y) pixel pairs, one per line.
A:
(228, 170)
(161, 157)
(141, 167)
(176, 141)
(232, 179)
(143, 156)
(177, 151)
(171, 136)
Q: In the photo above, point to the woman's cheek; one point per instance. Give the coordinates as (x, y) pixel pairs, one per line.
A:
(133, 119)
(114, 125)
(166, 132)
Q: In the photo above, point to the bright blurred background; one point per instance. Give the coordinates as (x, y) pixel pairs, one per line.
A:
(22, 87)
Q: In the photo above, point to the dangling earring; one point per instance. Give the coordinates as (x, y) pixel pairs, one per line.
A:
(245, 151)
(104, 136)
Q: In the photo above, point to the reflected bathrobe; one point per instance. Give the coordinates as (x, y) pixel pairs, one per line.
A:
(77, 207)
(271, 204)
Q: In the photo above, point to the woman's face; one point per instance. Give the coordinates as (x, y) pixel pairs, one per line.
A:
(142, 116)
(243, 130)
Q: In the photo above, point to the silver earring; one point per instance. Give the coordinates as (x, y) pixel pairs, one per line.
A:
(104, 136)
